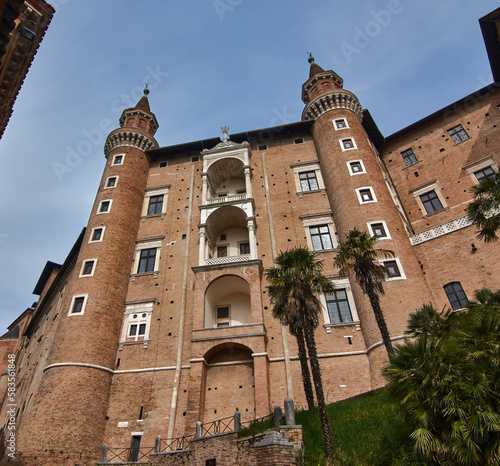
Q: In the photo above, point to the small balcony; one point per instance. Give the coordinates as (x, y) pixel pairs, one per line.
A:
(227, 199)
(227, 260)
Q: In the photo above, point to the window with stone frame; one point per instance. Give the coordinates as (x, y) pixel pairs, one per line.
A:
(147, 260)
(222, 317)
(320, 237)
(104, 206)
(348, 144)
(308, 181)
(221, 251)
(393, 268)
(137, 321)
(338, 308)
(155, 205)
(458, 134)
(88, 267)
(366, 195)
(78, 303)
(456, 295)
(244, 248)
(379, 229)
(484, 173)
(431, 202)
(96, 235)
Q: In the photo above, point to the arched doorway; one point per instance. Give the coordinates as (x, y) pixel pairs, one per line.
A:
(229, 383)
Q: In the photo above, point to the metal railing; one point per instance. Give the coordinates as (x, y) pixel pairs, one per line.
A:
(125, 455)
(221, 426)
(174, 444)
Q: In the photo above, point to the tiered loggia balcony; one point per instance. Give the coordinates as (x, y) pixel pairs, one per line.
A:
(227, 224)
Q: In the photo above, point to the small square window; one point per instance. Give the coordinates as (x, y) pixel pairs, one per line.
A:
(88, 267)
(221, 251)
(356, 167)
(484, 173)
(392, 269)
(340, 123)
(117, 160)
(244, 248)
(308, 181)
(378, 229)
(78, 304)
(431, 202)
(458, 134)
(97, 234)
(104, 207)
(348, 144)
(409, 157)
(111, 182)
(163, 164)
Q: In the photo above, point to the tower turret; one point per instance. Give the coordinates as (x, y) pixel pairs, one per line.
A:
(82, 361)
(361, 196)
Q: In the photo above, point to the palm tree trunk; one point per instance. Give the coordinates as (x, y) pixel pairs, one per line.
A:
(379, 318)
(306, 375)
(318, 385)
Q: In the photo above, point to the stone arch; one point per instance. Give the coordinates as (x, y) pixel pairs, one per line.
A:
(229, 382)
(226, 176)
(231, 292)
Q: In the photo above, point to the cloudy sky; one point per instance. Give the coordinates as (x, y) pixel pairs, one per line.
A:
(208, 63)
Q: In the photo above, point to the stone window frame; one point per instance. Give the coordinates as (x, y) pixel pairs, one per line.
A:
(137, 308)
(114, 162)
(106, 184)
(315, 220)
(82, 268)
(147, 243)
(99, 207)
(353, 173)
(222, 320)
(384, 225)
(344, 121)
(342, 145)
(155, 191)
(425, 188)
(480, 164)
(399, 266)
(72, 305)
(302, 167)
(360, 198)
(339, 284)
(103, 228)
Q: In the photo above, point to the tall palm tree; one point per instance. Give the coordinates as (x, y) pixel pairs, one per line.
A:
(294, 283)
(358, 253)
(484, 210)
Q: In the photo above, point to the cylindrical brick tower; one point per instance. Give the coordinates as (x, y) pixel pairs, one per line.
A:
(360, 196)
(74, 391)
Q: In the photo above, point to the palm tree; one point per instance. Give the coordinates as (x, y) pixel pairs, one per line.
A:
(294, 283)
(358, 253)
(483, 211)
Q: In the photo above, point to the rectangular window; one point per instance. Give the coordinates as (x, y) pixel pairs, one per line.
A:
(355, 167)
(320, 237)
(111, 182)
(348, 144)
(299, 141)
(221, 251)
(378, 230)
(308, 181)
(340, 123)
(155, 205)
(338, 307)
(458, 134)
(456, 295)
(222, 316)
(97, 234)
(147, 260)
(104, 207)
(163, 164)
(244, 248)
(484, 173)
(117, 160)
(88, 267)
(392, 269)
(77, 304)
(366, 195)
(431, 202)
(409, 157)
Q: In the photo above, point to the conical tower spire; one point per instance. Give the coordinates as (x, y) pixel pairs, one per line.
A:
(140, 116)
(319, 82)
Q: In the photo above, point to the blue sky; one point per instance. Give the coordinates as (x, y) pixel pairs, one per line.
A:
(208, 63)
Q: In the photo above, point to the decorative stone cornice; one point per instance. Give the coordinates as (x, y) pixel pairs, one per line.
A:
(332, 100)
(124, 138)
